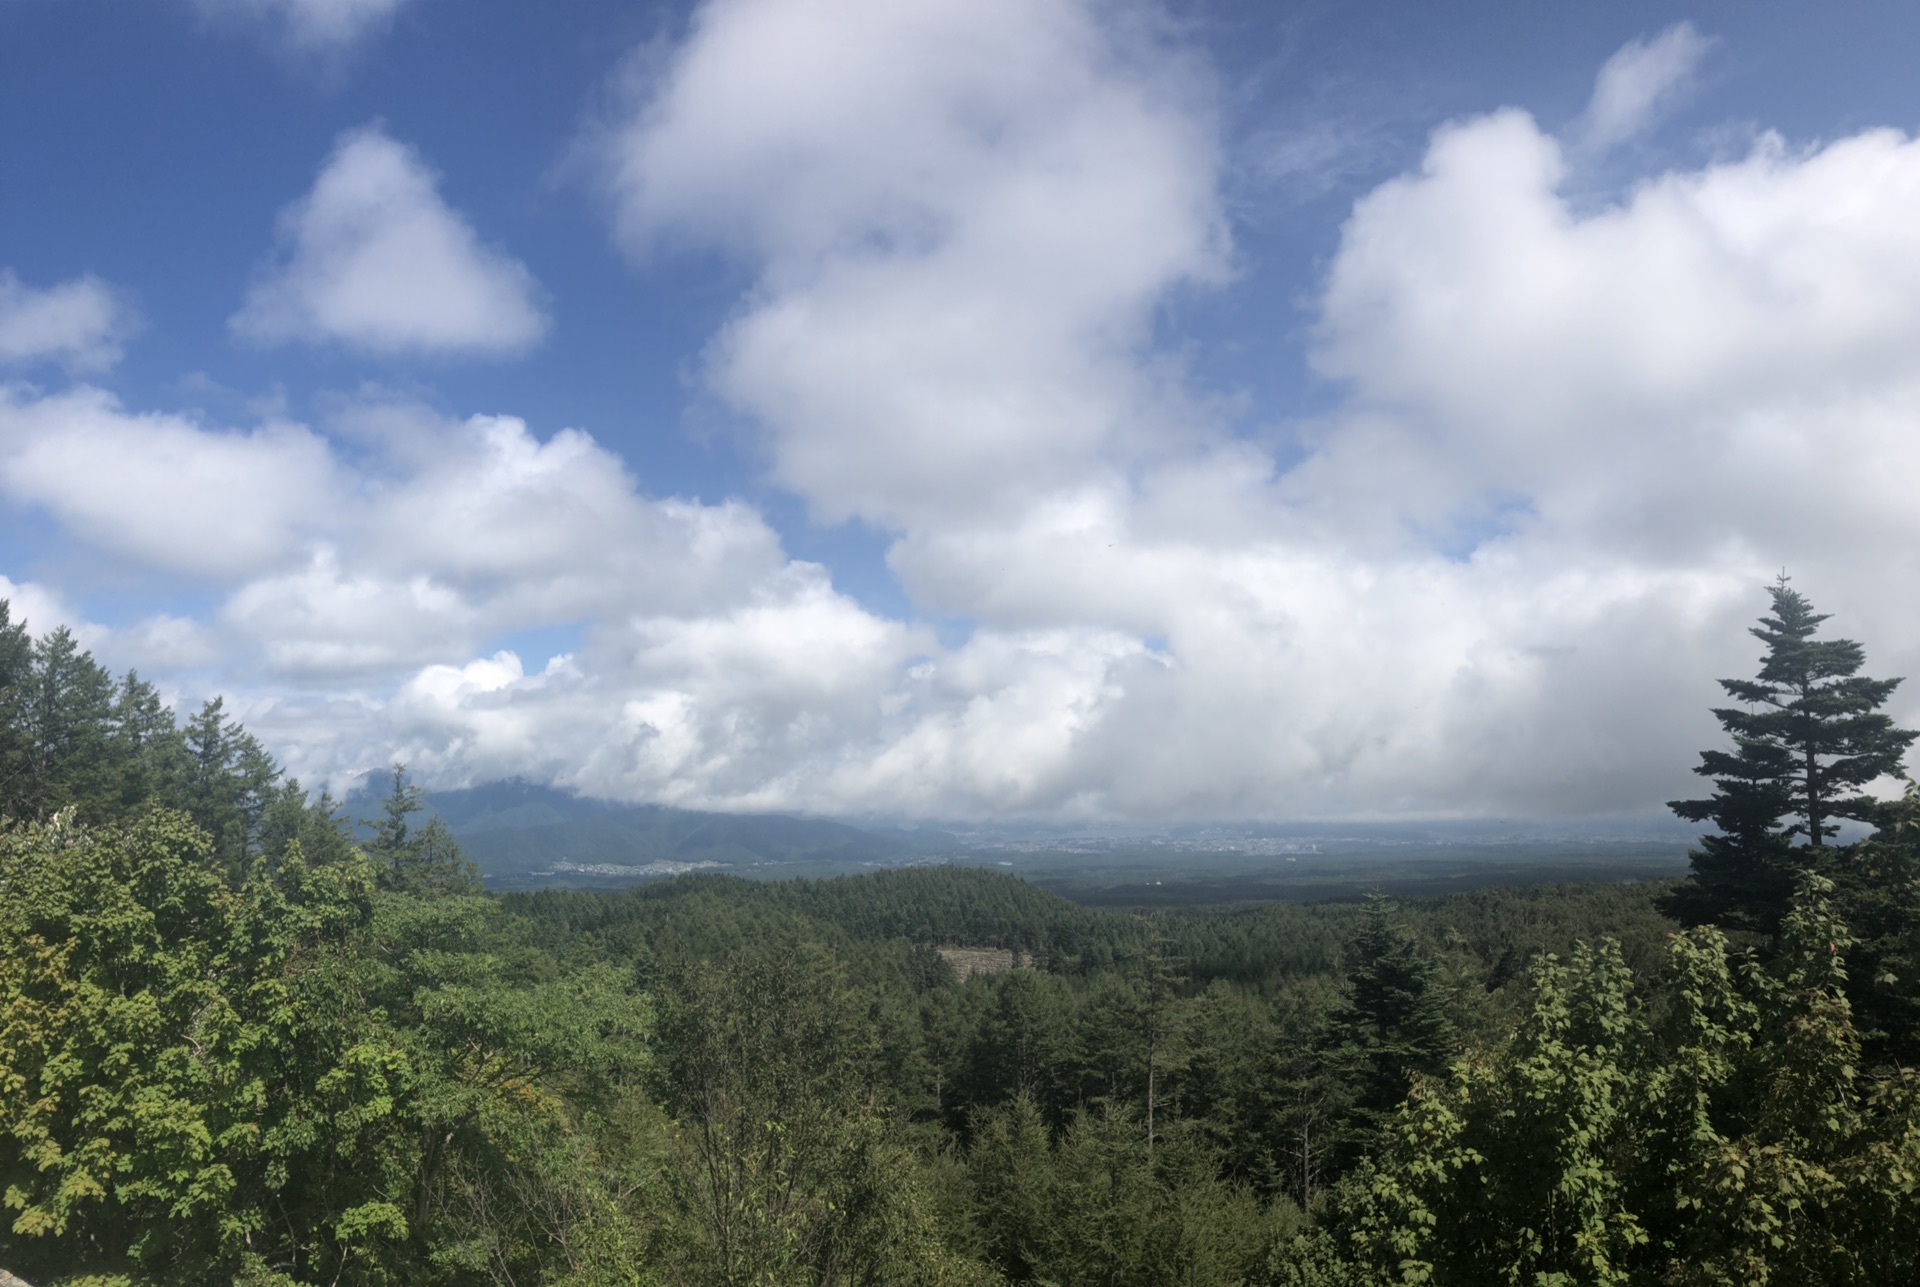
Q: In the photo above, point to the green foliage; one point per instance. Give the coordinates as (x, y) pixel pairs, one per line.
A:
(1395, 1022)
(233, 1046)
(229, 784)
(1100, 1207)
(788, 1166)
(1730, 1142)
(426, 861)
(960, 905)
(1878, 892)
(266, 1078)
(70, 737)
(163, 1089)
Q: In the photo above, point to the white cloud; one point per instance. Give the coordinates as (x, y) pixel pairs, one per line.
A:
(79, 323)
(323, 622)
(38, 608)
(1638, 83)
(163, 643)
(161, 491)
(373, 258)
(552, 525)
(740, 706)
(964, 212)
(311, 25)
(1720, 347)
(342, 565)
(1695, 387)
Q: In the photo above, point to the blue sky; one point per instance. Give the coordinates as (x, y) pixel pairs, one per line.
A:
(962, 409)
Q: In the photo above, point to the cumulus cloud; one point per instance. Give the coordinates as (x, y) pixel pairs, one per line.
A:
(740, 707)
(164, 643)
(453, 530)
(159, 490)
(964, 213)
(38, 608)
(79, 323)
(1703, 359)
(373, 258)
(1638, 83)
(1696, 386)
(1166, 626)
(310, 25)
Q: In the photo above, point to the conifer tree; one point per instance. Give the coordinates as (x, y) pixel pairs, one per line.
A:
(1810, 735)
(1160, 981)
(68, 705)
(230, 781)
(16, 668)
(147, 752)
(1396, 1021)
(424, 860)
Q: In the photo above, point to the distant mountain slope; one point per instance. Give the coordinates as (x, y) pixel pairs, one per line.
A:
(518, 826)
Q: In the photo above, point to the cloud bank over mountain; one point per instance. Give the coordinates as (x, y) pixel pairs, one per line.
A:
(1563, 441)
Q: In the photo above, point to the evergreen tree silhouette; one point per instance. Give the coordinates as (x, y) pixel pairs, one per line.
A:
(1809, 737)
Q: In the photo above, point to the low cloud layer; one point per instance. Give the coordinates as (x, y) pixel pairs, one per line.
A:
(373, 258)
(1568, 445)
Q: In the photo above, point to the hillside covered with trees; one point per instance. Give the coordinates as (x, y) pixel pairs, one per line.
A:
(512, 827)
(239, 1045)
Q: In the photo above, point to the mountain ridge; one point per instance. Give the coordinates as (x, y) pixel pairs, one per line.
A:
(516, 826)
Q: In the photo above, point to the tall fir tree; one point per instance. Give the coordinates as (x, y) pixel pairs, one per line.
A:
(1395, 1021)
(1160, 982)
(146, 750)
(67, 714)
(424, 860)
(16, 671)
(1810, 736)
(230, 782)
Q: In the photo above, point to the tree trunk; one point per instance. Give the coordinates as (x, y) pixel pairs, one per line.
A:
(1813, 800)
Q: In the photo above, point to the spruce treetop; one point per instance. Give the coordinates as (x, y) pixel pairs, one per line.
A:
(1807, 740)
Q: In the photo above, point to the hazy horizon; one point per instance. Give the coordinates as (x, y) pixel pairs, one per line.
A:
(1662, 827)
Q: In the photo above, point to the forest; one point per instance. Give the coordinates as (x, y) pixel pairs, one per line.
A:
(248, 1038)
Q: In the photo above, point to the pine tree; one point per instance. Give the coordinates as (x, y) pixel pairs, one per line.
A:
(147, 753)
(16, 669)
(1810, 736)
(423, 860)
(1395, 1022)
(231, 781)
(210, 792)
(68, 709)
(1159, 984)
